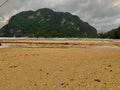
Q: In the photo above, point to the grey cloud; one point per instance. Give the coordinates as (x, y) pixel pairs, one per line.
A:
(102, 14)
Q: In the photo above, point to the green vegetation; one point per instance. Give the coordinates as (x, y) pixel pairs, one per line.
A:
(113, 34)
(47, 23)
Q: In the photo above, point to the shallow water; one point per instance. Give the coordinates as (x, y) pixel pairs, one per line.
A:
(27, 45)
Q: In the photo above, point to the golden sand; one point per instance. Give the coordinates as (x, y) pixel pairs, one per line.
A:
(60, 69)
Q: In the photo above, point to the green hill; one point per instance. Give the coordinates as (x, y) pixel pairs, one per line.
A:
(47, 23)
(113, 34)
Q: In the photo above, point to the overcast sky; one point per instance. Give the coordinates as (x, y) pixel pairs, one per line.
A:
(104, 15)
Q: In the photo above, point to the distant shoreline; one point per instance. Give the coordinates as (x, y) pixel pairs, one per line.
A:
(59, 43)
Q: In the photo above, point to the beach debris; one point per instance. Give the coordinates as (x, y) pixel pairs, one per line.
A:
(26, 54)
(41, 70)
(14, 66)
(61, 70)
(44, 84)
(109, 65)
(111, 70)
(105, 83)
(47, 73)
(81, 81)
(20, 55)
(79, 84)
(97, 80)
(64, 84)
(71, 79)
(35, 84)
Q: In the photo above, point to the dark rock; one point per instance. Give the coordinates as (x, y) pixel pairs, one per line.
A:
(97, 80)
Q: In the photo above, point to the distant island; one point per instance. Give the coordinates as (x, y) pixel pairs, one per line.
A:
(114, 34)
(51, 24)
(47, 23)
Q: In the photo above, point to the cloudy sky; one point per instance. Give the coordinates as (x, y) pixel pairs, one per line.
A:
(104, 15)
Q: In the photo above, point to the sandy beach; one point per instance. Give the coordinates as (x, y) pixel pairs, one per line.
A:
(59, 68)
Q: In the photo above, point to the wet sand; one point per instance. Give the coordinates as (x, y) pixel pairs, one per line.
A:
(58, 43)
(59, 68)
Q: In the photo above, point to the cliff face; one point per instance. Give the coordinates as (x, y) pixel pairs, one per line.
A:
(47, 23)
